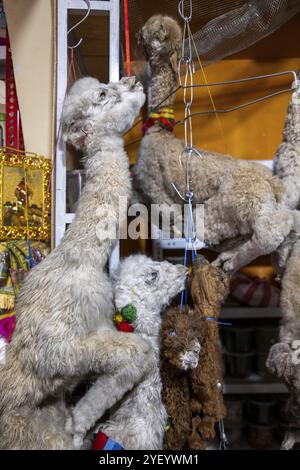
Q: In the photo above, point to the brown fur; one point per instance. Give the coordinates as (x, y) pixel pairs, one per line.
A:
(192, 398)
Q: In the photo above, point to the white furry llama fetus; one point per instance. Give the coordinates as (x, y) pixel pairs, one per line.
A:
(280, 360)
(287, 168)
(287, 158)
(64, 311)
(244, 217)
(138, 421)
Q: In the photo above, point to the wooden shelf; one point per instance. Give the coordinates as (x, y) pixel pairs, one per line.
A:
(254, 384)
(250, 312)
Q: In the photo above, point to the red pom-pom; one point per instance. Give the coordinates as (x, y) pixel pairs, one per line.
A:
(125, 327)
(100, 441)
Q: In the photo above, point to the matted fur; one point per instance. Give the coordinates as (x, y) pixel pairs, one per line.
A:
(287, 158)
(191, 361)
(242, 200)
(280, 359)
(137, 422)
(64, 311)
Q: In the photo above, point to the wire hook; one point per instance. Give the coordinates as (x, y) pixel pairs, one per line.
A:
(181, 10)
(88, 4)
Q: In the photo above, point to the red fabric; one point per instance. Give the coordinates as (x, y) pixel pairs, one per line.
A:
(7, 326)
(100, 441)
(166, 123)
(147, 124)
(127, 38)
(256, 292)
(125, 327)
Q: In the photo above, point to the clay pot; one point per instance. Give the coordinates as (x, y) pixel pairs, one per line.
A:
(260, 436)
(261, 410)
(238, 340)
(265, 337)
(239, 364)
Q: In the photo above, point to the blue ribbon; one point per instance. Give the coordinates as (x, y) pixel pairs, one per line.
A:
(218, 321)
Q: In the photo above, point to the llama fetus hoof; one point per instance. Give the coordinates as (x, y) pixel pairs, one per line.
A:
(78, 441)
(69, 427)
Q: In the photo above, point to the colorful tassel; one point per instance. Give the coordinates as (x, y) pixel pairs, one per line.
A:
(165, 119)
(103, 442)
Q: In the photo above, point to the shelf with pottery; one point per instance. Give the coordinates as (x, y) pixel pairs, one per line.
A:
(254, 383)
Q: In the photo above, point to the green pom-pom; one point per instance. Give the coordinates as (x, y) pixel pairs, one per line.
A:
(129, 313)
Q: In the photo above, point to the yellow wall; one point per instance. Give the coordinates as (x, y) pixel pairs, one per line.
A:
(254, 132)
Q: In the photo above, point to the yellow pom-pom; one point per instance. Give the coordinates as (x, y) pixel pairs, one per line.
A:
(118, 318)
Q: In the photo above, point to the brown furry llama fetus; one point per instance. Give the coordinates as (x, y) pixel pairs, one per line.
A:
(191, 361)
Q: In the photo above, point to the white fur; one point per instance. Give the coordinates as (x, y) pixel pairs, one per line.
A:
(64, 311)
(190, 358)
(138, 422)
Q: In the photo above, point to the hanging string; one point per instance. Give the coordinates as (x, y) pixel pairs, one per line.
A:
(72, 66)
(71, 70)
(209, 92)
(127, 38)
(219, 322)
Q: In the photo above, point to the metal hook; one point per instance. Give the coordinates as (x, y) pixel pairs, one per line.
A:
(178, 192)
(181, 6)
(223, 439)
(190, 151)
(88, 4)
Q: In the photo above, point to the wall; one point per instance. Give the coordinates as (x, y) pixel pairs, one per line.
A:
(251, 133)
(31, 25)
(254, 132)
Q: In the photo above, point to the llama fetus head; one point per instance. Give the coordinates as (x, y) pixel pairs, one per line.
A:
(93, 110)
(209, 287)
(150, 286)
(160, 38)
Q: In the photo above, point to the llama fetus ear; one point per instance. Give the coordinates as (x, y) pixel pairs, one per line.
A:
(162, 31)
(174, 60)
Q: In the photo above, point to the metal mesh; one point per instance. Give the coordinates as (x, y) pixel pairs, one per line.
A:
(220, 27)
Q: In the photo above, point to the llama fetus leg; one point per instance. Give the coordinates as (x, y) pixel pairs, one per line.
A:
(105, 351)
(288, 441)
(269, 233)
(195, 440)
(281, 363)
(106, 391)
